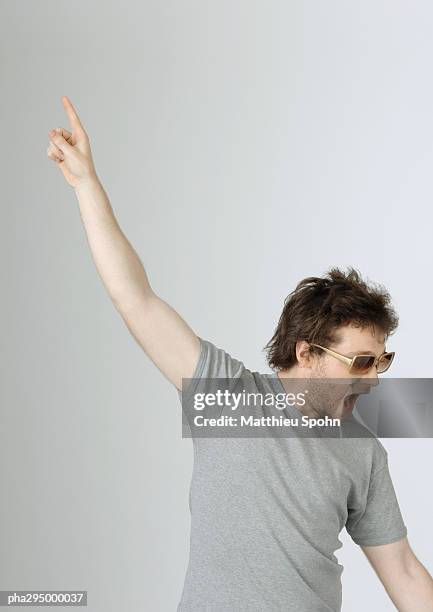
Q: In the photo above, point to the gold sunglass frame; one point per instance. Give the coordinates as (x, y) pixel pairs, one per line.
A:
(349, 361)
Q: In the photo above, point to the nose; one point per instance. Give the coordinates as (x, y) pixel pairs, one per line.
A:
(366, 381)
(372, 377)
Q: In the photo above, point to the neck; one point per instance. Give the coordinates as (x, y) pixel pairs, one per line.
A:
(294, 380)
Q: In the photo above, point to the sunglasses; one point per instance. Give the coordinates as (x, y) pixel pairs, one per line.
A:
(361, 364)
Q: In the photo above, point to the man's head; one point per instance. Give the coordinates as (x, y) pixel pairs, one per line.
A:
(339, 311)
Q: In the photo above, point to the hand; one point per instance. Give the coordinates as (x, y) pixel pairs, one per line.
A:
(71, 150)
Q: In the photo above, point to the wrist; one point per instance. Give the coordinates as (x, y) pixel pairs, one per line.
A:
(87, 184)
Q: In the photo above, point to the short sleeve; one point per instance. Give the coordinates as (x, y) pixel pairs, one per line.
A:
(378, 521)
(213, 362)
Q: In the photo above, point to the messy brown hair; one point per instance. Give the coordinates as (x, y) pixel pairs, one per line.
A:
(319, 306)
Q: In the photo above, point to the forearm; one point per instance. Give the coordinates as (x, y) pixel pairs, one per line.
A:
(117, 263)
(412, 591)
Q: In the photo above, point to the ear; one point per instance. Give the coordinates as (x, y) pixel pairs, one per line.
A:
(303, 355)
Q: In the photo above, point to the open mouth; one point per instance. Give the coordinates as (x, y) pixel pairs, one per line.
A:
(350, 401)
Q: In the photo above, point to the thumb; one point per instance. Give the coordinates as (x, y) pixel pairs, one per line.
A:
(60, 142)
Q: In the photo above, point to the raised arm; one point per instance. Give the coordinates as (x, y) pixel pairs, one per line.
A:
(156, 326)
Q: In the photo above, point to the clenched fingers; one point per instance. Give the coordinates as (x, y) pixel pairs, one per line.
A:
(54, 152)
(60, 142)
(66, 135)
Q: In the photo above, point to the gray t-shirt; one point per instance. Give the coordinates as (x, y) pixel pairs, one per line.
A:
(266, 513)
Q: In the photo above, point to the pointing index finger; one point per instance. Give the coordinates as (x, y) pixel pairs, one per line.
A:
(72, 114)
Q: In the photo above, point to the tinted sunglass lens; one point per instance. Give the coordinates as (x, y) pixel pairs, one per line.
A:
(385, 362)
(363, 363)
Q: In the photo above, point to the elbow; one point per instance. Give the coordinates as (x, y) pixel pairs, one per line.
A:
(128, 302)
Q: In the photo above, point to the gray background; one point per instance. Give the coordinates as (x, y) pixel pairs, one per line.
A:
(244, 145)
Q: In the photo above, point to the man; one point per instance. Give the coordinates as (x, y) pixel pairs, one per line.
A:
(266, 513)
